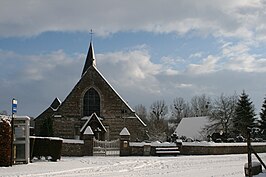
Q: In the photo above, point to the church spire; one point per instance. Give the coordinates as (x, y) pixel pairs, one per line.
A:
(90, 59)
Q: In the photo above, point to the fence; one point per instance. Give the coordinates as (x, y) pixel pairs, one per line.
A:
(106, 148)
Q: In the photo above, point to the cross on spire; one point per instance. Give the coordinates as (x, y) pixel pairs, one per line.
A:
(91, 33)
(90, 59)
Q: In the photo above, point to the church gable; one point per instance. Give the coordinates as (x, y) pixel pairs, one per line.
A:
(93, 88)
(93, 95)
(96, 125)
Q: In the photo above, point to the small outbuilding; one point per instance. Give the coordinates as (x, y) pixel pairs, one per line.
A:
(191, 127)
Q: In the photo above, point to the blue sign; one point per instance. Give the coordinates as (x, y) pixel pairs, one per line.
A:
(14, 106)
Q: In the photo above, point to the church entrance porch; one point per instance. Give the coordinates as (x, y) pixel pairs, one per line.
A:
(106, 148)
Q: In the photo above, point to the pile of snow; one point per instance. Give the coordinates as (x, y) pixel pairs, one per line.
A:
(183, 166)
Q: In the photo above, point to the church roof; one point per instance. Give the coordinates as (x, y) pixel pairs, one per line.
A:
(192, 127)
(90, 59)
(55, 104)
(120, 98)
(91, 63)
(94, 115)
(88, 131)
(124, 132)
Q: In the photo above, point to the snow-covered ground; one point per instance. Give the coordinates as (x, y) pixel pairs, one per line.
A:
(183, 166)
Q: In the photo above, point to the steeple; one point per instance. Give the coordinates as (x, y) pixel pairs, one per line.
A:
(90, 60)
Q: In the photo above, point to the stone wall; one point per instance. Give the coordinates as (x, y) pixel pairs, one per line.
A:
(220, 149)
(138, 149)
(73, 149)
(77, 148)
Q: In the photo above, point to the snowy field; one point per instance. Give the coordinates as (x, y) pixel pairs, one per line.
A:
(183, 166)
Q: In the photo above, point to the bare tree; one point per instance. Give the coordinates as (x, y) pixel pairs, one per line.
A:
(222, 113)
(141, 112)
(157, 125)
(158, 110)
(187, 110)
(200, 105)
(178, 109)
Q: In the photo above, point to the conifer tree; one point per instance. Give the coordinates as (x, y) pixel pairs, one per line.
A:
(263, 119)
(244, 115)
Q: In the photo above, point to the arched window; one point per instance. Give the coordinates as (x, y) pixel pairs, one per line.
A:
(91, 102)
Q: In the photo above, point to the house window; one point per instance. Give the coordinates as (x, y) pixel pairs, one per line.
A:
(91, 102)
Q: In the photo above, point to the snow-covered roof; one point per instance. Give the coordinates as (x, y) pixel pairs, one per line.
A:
(90, 59)
(73, 141)
(114, 90)
(155, 143)
(22, 117)
(88, 131)
(43, 137)
(136, 116)
(88, 120)
(124, 132)
(211, 144)
(191, 127)
(55, 104)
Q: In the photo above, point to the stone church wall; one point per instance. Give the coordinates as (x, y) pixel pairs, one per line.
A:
(67, 119)
(39, 123)
(112, 108)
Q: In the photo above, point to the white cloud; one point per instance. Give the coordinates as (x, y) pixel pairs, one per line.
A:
(236, 18)
(230, 50)
(132, 69)
(41, 78)
(170, 65)
(238, 57)
(247, 63)
(208, 65)
(35, 80)
(196, 55)
(183, 85)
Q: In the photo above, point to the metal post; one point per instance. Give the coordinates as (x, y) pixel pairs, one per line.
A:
(13, 111)
(249, 153)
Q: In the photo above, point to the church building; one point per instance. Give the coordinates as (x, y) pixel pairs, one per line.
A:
(92, 102)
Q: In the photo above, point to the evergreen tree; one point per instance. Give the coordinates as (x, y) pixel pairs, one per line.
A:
(244, 115)
(263, 119)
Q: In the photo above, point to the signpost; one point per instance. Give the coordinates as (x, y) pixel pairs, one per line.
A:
(14, 111)
(14, 106)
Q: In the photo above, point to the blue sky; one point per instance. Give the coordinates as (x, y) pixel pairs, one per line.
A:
(148, 51)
